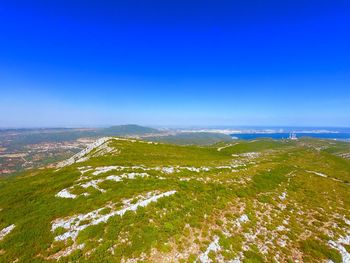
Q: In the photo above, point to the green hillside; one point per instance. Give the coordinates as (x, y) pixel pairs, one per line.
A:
(129, 129)
(125, 200)
(192, 138)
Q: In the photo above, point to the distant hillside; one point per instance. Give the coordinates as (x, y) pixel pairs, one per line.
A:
(194, 138)
(32, 136)
(130, 129)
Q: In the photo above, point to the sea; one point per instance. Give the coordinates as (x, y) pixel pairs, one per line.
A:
(277, 136)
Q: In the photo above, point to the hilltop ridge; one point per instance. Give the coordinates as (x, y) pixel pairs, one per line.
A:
(130, 200)
(24, 149)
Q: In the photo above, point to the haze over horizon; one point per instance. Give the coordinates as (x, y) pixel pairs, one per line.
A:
(175, 63)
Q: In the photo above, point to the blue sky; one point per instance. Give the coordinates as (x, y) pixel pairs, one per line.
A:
(96, 63)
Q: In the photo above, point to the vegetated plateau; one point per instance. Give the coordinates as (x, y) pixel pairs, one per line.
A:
(129, 200)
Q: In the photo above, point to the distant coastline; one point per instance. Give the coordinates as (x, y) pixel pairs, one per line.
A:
(283, 135)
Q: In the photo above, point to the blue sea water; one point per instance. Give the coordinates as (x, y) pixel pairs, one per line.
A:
(331, 136)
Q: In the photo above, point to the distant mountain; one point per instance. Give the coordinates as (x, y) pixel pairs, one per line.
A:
(130, 129)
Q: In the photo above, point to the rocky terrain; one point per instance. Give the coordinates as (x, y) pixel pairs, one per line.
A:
(128, 200)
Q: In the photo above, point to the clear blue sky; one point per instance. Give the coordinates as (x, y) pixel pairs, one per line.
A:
(93, 63)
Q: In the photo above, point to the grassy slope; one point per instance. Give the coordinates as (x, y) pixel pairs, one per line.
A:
(190, 138)
(199, 210)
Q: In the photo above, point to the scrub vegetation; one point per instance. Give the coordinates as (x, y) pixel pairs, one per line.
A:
(143, 201)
